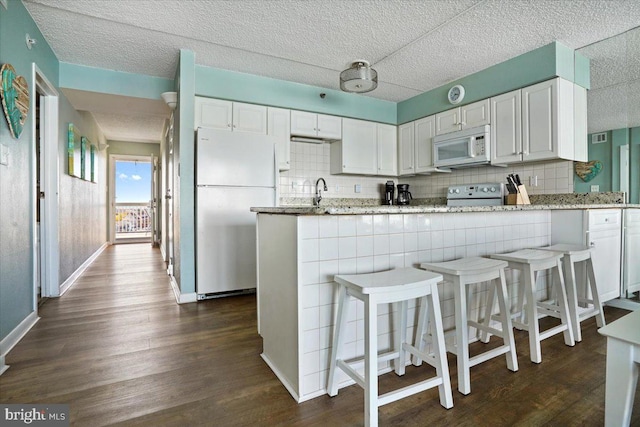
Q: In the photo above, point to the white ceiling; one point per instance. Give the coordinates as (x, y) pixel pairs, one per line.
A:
(414, 45)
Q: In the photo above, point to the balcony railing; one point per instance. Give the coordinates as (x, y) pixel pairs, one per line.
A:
(133, 218)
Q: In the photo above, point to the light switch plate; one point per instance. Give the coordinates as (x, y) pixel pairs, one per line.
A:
(595, 188)
(4, 155)
(357, 188)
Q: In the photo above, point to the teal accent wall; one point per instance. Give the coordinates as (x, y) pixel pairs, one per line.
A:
(223, 84)
(100, 80)
(609, 154)
(184, 240)
(82, 205)
(532, 67)
(582, 75)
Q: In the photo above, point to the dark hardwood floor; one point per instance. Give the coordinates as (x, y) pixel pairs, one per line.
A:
(120, 351)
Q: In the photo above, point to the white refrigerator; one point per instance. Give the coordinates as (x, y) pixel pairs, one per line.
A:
(234, 171)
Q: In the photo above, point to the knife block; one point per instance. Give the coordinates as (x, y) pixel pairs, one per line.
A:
(520, 198)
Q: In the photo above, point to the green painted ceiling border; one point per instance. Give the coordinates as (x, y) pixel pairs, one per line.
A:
(231, 85)
(93, 79)
(529, 68)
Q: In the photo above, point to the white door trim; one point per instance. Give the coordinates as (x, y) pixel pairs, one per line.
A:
(50, 256)
(112, 188)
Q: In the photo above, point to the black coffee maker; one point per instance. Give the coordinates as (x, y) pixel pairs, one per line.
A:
(404, 196)
(389, 192)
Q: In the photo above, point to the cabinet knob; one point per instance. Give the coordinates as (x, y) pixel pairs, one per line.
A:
(592, 244)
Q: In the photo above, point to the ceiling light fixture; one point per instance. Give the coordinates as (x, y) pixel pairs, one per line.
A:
(170, 98)
(359, 77)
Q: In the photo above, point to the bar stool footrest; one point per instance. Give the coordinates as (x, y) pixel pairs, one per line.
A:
(490, 354)
(409, 390)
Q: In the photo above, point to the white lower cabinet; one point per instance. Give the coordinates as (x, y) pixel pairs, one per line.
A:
(600, 229)
(366, 148)
(631, 268)
(279, 125)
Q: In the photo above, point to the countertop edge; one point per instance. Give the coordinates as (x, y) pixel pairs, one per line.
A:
(373, 210)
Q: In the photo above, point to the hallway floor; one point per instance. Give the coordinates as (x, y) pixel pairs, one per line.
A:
(120, 351)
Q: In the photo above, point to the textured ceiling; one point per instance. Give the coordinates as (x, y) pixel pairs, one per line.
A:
(414, 45)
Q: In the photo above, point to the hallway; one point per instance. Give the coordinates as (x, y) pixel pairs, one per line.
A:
(119, 350)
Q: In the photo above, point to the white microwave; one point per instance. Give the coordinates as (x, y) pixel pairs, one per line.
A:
(465, 148)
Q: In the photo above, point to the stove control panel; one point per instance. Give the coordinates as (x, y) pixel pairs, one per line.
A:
(490, 194)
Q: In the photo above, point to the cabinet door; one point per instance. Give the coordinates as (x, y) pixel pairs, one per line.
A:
(279, 125)
(387, 150)
(425, 130)
(359, 147)
(632, 250)
(329, 127)
(506, 128)
(406, 149)
(539, 121)
(213, 113)
(476, 114)
(606, 262)
(304, 124)
(249, 118)
(448, 121)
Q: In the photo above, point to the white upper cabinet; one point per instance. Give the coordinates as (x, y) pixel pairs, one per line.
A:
(315, 125)
(249, 118)
(468, 116)
(425, 130)
(279, 125)
(366, 148)
(540, 122)
(506, 128)
(406, 144)
(213, 113)
(387, 139)
(232, 116)
(356, 153)
(554, 121)
(415, 146)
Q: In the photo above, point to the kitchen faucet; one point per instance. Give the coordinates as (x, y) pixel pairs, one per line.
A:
(316, 200)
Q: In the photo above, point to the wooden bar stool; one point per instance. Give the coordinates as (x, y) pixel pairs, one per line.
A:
(393, 286)
(463, 272)
(580, 307)
(530, 262)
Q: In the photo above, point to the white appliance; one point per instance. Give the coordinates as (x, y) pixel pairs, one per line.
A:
(465, 148)
(489, 194)
(234, 171)
(631, 268)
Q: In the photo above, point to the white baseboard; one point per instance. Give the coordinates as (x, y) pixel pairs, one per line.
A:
(162, 252)
(180, 297)
(282, 378)
(76, 274)
(15, 336)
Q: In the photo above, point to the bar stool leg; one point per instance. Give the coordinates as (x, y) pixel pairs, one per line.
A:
(439, 349)
(564, 309)
(400, 337)
(594, 294)
(572, 295)
(507, 327)
(421, 328)
(338, 338)
(484, 335)
(370, 361)
(462, 336)
(532, 314)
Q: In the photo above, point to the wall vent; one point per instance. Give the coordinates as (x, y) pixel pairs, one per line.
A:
(599, 138)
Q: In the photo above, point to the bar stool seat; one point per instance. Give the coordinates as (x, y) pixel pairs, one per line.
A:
(580, 307)
(463, 272)
(530, 262)
(393, 286)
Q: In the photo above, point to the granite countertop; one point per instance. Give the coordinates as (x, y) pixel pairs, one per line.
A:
(370, 210)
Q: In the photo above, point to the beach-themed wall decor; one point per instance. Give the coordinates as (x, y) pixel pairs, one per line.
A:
(15, 99)
(73, 151)
(84, 169)
(588, 170)
(92, 157)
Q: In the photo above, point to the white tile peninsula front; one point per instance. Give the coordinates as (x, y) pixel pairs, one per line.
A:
(298, 255)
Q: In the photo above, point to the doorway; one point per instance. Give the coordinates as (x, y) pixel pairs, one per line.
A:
(132, 216)
(45, 188)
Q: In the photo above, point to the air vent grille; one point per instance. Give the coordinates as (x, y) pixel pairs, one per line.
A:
(599, 138)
